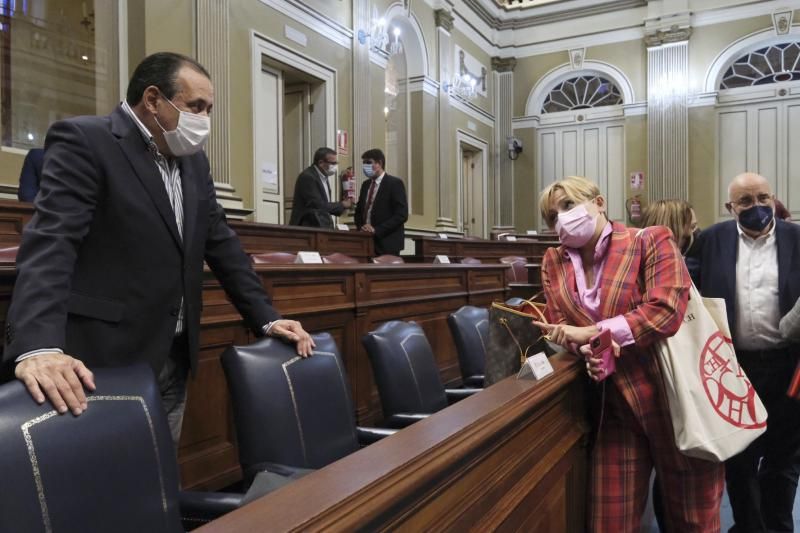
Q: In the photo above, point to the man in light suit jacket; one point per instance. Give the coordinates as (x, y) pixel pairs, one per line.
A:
(313, 205)
(110, 267)
(753, 263)
(382, 208)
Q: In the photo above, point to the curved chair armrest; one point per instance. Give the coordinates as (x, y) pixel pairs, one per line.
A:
(475, 381)
(368, 435)
(454, 395)
(401, 420)
(198, 508)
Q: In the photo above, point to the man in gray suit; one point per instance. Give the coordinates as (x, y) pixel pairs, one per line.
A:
(313, 202)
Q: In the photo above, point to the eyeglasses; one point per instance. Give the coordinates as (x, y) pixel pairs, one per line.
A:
(747, 201)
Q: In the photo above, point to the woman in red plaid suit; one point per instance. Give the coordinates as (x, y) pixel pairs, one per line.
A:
(604, 276)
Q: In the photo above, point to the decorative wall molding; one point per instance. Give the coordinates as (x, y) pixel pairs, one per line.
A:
(471, 110)
(674, 34)
(444, 19)
(576, 56)
(782, 21)
(504, 64)
(314, 20)
(424, 84)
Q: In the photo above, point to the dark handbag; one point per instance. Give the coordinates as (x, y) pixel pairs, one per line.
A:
(512, 338)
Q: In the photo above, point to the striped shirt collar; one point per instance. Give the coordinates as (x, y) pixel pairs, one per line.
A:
(146, 135)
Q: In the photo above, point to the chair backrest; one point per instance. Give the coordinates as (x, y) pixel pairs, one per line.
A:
(470, 328)
(470, 261)
(518, 273)
(273, 258)
(290, 410)
(388, 259)
(405, 369)
(112, 468)
(339, 259)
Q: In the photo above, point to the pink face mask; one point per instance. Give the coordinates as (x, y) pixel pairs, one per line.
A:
(575, 227)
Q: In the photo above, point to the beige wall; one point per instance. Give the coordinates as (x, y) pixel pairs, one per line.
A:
(155, 25)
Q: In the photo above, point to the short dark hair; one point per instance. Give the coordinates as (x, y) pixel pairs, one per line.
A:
(322, 153)
(376, 154)
(160, 69)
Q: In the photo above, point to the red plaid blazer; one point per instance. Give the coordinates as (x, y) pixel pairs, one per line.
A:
(644, 279)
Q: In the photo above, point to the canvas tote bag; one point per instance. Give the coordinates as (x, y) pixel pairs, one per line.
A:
(715, 410)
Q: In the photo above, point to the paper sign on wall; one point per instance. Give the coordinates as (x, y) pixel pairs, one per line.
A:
(637, 180)
(269, 177)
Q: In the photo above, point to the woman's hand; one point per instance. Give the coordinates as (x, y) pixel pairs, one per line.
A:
(594, 365)
(566, 335)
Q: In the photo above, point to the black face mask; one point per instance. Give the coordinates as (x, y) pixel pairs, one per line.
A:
(756, 218)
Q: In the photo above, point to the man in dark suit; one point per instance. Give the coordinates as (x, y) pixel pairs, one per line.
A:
(31, 175)
(753, 263)
(110, 267)
(313, 202)
(382, 208)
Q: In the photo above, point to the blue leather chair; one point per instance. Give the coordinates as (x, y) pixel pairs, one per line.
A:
(406, 374)
(113, 468)
(470, 328)
(292, 414)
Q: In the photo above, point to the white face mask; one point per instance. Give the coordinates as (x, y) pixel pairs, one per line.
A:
(368, 171)
(190, 135)
(331, 171)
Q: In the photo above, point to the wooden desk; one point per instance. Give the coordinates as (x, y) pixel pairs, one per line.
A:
(511, 458)
(426, 248)
(255, 237)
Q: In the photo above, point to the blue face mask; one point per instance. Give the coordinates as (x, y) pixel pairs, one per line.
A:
(756, 218)
(368, 172)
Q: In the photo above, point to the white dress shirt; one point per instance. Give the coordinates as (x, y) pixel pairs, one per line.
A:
(757, 305)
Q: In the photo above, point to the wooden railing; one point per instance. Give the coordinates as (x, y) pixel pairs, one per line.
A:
(511, 458)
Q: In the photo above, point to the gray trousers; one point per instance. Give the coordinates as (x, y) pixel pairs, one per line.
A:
(172, 385)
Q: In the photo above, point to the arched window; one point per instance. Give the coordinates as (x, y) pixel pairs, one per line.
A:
(581, 92)
(770, 64)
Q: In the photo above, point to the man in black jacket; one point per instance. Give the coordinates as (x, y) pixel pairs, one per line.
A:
(313, 202)
(382, 208)
(110, 268)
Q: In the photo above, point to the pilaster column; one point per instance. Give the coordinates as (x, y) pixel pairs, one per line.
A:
(445, 216)
(213, 52)
(362, 101)
(667, 113)
(503, 68)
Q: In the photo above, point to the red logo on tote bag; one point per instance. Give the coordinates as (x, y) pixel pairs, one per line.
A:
(726, 385)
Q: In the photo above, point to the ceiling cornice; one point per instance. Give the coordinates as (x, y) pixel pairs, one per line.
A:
(496, 19)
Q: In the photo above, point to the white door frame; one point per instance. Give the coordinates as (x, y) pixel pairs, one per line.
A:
(262, 46)
(480, 145)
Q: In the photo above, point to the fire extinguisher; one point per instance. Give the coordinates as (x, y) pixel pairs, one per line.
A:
(634, 208)
(348, 184)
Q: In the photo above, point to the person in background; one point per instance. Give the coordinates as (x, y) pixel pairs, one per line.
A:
(752, 262)
(110, 268)
(382, 208)
(314, 202)
(605, 277)
(781, 213)
(680, 218)
(31, 175)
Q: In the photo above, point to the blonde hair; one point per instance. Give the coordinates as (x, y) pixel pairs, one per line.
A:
(575, 188)
(673, 213)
